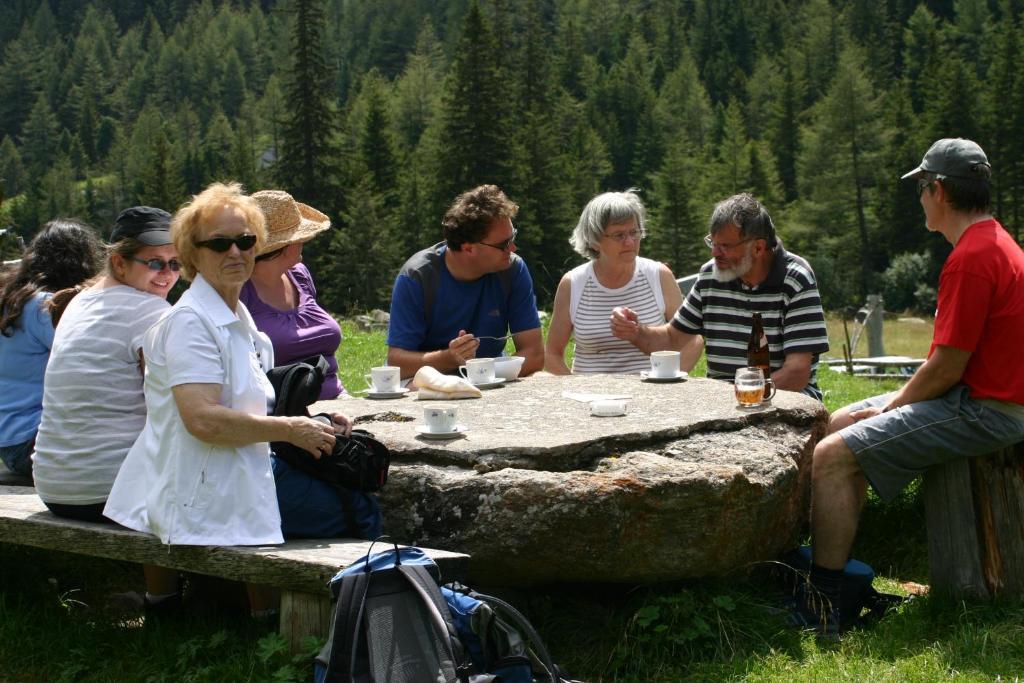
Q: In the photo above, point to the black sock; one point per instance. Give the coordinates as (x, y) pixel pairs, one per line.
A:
(828, 582)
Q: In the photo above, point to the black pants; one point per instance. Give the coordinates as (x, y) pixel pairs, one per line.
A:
(83, 513)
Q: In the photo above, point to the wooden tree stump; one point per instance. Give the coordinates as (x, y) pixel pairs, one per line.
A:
(974, 509)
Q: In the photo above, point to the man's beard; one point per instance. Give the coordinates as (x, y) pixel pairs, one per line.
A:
(730, 274)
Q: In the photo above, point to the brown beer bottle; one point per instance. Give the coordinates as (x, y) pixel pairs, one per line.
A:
(757, 348)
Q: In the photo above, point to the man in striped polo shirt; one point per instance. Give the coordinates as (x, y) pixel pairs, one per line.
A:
(749, 272)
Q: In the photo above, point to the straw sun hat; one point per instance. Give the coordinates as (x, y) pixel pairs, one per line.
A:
(288, 221)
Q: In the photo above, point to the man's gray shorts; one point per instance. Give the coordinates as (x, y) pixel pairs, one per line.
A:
(895, 447)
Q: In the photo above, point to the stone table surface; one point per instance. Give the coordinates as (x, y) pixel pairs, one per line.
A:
(685, 484)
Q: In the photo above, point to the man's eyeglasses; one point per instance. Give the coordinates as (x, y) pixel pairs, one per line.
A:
(621, 237)
(724, 247)
(924, 183)
(157, 264)
(504, 245)
(222, 244)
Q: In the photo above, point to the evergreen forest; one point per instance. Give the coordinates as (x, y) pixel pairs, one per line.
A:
(378, 112)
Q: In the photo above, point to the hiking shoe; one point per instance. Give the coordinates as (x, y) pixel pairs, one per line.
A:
(169, 607)
(812, 611)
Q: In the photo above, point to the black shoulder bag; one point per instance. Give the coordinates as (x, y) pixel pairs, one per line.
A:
(357, 463)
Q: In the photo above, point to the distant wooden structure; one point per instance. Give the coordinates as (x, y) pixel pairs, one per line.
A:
(974, 509)
(872, 319)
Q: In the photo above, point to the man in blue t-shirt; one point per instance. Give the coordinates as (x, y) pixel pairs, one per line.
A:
(460, 298)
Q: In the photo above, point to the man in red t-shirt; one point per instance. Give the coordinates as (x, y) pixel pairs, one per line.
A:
(967, 399)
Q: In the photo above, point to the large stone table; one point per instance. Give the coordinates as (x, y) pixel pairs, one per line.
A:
(685, 485)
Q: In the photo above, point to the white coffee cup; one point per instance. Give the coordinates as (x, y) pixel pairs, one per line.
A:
(384, 379)
(439, 419)
(478, 370)
(665, 364)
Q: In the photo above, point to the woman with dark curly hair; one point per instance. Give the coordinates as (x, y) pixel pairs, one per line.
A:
(63, 254)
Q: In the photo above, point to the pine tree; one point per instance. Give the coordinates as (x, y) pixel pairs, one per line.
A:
(375, 147)
(921, 46)
(621, 109)
(840, 164)
(308, 159)
(546, 214)
(1002, 122)
(161, 178)
(12, 171)
(19, 73)
(730, 173)
(216, 148)
(475, 135)
(39, 138)
(676, 226)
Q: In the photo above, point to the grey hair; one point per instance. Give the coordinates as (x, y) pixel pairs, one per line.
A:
(602, 211)
(747, 214)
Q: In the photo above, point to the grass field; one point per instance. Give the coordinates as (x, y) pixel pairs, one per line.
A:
(54, 625)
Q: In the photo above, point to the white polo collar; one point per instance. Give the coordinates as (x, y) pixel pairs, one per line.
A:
(206, 297)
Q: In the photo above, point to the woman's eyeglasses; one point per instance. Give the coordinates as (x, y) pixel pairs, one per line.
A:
(621, 237)
(157, 264)
(222, 244)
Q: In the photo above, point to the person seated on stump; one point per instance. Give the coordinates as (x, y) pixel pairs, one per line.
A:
(966, 400)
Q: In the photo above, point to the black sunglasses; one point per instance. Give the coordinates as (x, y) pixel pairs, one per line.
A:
(222, 244)
(504, 244)
(158, 264)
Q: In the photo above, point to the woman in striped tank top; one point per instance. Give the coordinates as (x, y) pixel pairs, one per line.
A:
(608, 234)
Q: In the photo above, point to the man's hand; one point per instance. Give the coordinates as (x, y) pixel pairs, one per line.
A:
(865, 413)
(625, 324)
(463, 347)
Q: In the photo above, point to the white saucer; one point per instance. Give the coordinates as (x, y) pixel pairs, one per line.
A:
(370, 393)
(497, 382)
(646, 377)
(425, 432)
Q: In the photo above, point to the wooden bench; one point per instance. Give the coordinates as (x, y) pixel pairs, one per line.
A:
(301, 569)
(974, 509)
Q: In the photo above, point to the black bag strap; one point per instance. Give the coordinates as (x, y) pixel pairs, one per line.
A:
(348, 614)
(426, 585)
(297, 385)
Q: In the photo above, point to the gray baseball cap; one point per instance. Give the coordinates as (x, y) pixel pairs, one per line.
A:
(953, 157)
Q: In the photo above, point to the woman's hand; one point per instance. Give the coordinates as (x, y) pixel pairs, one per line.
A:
(342, 423)
(625, 324)
(311, 435)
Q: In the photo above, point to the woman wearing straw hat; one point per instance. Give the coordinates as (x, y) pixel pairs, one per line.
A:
(280, 294)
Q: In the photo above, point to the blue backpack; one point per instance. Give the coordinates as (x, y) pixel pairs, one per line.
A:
(392, 621)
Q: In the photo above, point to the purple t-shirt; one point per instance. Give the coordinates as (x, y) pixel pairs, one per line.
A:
(301, 332)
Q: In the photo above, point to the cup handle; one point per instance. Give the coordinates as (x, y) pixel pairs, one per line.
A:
(769, 383)
(462, 372)
(369, 381)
